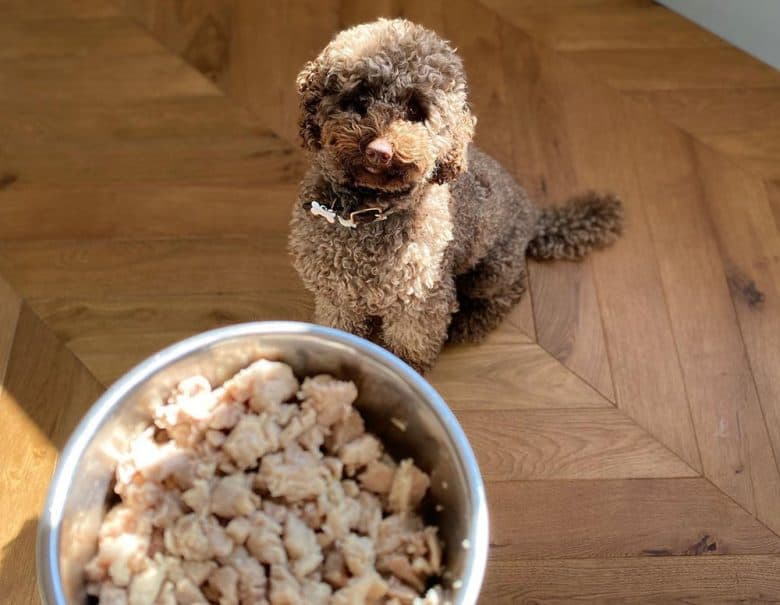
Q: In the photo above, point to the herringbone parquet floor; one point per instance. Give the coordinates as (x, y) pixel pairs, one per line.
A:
(626, 417)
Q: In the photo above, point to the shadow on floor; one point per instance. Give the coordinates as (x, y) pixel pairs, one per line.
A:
(46, 380)
(17, 567)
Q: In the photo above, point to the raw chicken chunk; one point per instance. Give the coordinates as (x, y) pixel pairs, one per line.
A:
(359, 452)
(251, 577)
(145, 586)
(408, 488)
(238, 529)
(285, 589)
(253, 437)
(361, 590)
(358, 554)
(187, 593)
(302, 547)
(294, 477)
(266, 546)
(232, 496)
(224, 581)
(167, 595)
(197, 538)
(378, 477)
(350, 427)
(315, 593)
(198, 571)
(112, 595)
(331, 399)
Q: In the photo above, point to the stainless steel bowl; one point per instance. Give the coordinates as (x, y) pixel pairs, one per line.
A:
(388, 389)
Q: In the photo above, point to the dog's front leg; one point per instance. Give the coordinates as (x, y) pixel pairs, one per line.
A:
(334, 316)
(416, 331)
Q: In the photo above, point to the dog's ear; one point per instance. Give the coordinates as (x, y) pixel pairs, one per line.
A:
(310, 89)
(455, 161)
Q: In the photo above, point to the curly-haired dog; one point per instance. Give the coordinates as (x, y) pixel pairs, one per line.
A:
(404, 231)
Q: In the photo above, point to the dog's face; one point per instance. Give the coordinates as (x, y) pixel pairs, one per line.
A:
(384, 108)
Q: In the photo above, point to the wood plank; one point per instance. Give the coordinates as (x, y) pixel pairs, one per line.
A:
(645, 367)
(29, 125)
(566, 444)
(20, 10)
(700, 111)
(108, 36)
(705, 580)
(46, 391)
(111, 335)
(102, 269)
(567, 317)
(749, 244)
(42, 372)
(625, 518)
(194, 154)
(578, 26)
(517, 327)
(758, 150)
(502, 377)
(732, 436)
(146, 211)
(17, 572)
(136, 9)
(773, 194)
(10, 304)
(218, 160)
(87, 78)
(743, 124)
(198, 31)
(648, 52)
(707, 68)
(257, 33)
(355, 12)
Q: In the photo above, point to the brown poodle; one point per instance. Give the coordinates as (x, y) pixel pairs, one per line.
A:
(405, 232)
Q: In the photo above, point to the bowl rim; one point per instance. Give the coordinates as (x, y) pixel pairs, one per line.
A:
(47, 543)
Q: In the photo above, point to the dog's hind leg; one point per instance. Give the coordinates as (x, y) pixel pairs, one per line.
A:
(478, 317)
(334, 316)
(488, 292)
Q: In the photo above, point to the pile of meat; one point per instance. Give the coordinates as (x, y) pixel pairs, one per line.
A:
(264, 491)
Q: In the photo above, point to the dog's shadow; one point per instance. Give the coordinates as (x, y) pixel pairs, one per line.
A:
(17, 566)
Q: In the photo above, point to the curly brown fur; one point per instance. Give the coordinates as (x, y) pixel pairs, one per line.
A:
(449, 260)
(571, 231)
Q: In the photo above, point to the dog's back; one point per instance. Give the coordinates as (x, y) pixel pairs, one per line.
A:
(488, 207)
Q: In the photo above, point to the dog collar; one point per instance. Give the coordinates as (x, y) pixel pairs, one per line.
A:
(358, 217)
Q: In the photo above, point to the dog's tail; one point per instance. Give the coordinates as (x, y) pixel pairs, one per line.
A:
(570, 231)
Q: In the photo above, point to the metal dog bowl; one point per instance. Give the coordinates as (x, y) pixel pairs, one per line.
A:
(388, 389)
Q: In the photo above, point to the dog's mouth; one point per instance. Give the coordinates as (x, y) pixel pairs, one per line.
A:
(384, 178)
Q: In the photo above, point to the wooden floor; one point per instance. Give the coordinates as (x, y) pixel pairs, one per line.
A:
(626, 417)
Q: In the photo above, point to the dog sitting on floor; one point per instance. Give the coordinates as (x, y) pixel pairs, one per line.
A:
(405, 232)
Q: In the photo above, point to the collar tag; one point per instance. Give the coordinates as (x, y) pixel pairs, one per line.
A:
(318, 209)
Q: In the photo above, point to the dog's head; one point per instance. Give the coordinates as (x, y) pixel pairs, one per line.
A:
(384, 107)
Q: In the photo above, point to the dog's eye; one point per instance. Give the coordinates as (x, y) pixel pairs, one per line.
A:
(415, 110)
(354, 104)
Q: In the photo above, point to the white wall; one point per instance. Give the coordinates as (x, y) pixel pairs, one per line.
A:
(752, 25)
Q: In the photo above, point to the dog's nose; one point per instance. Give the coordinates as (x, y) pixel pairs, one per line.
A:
(379, 152)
